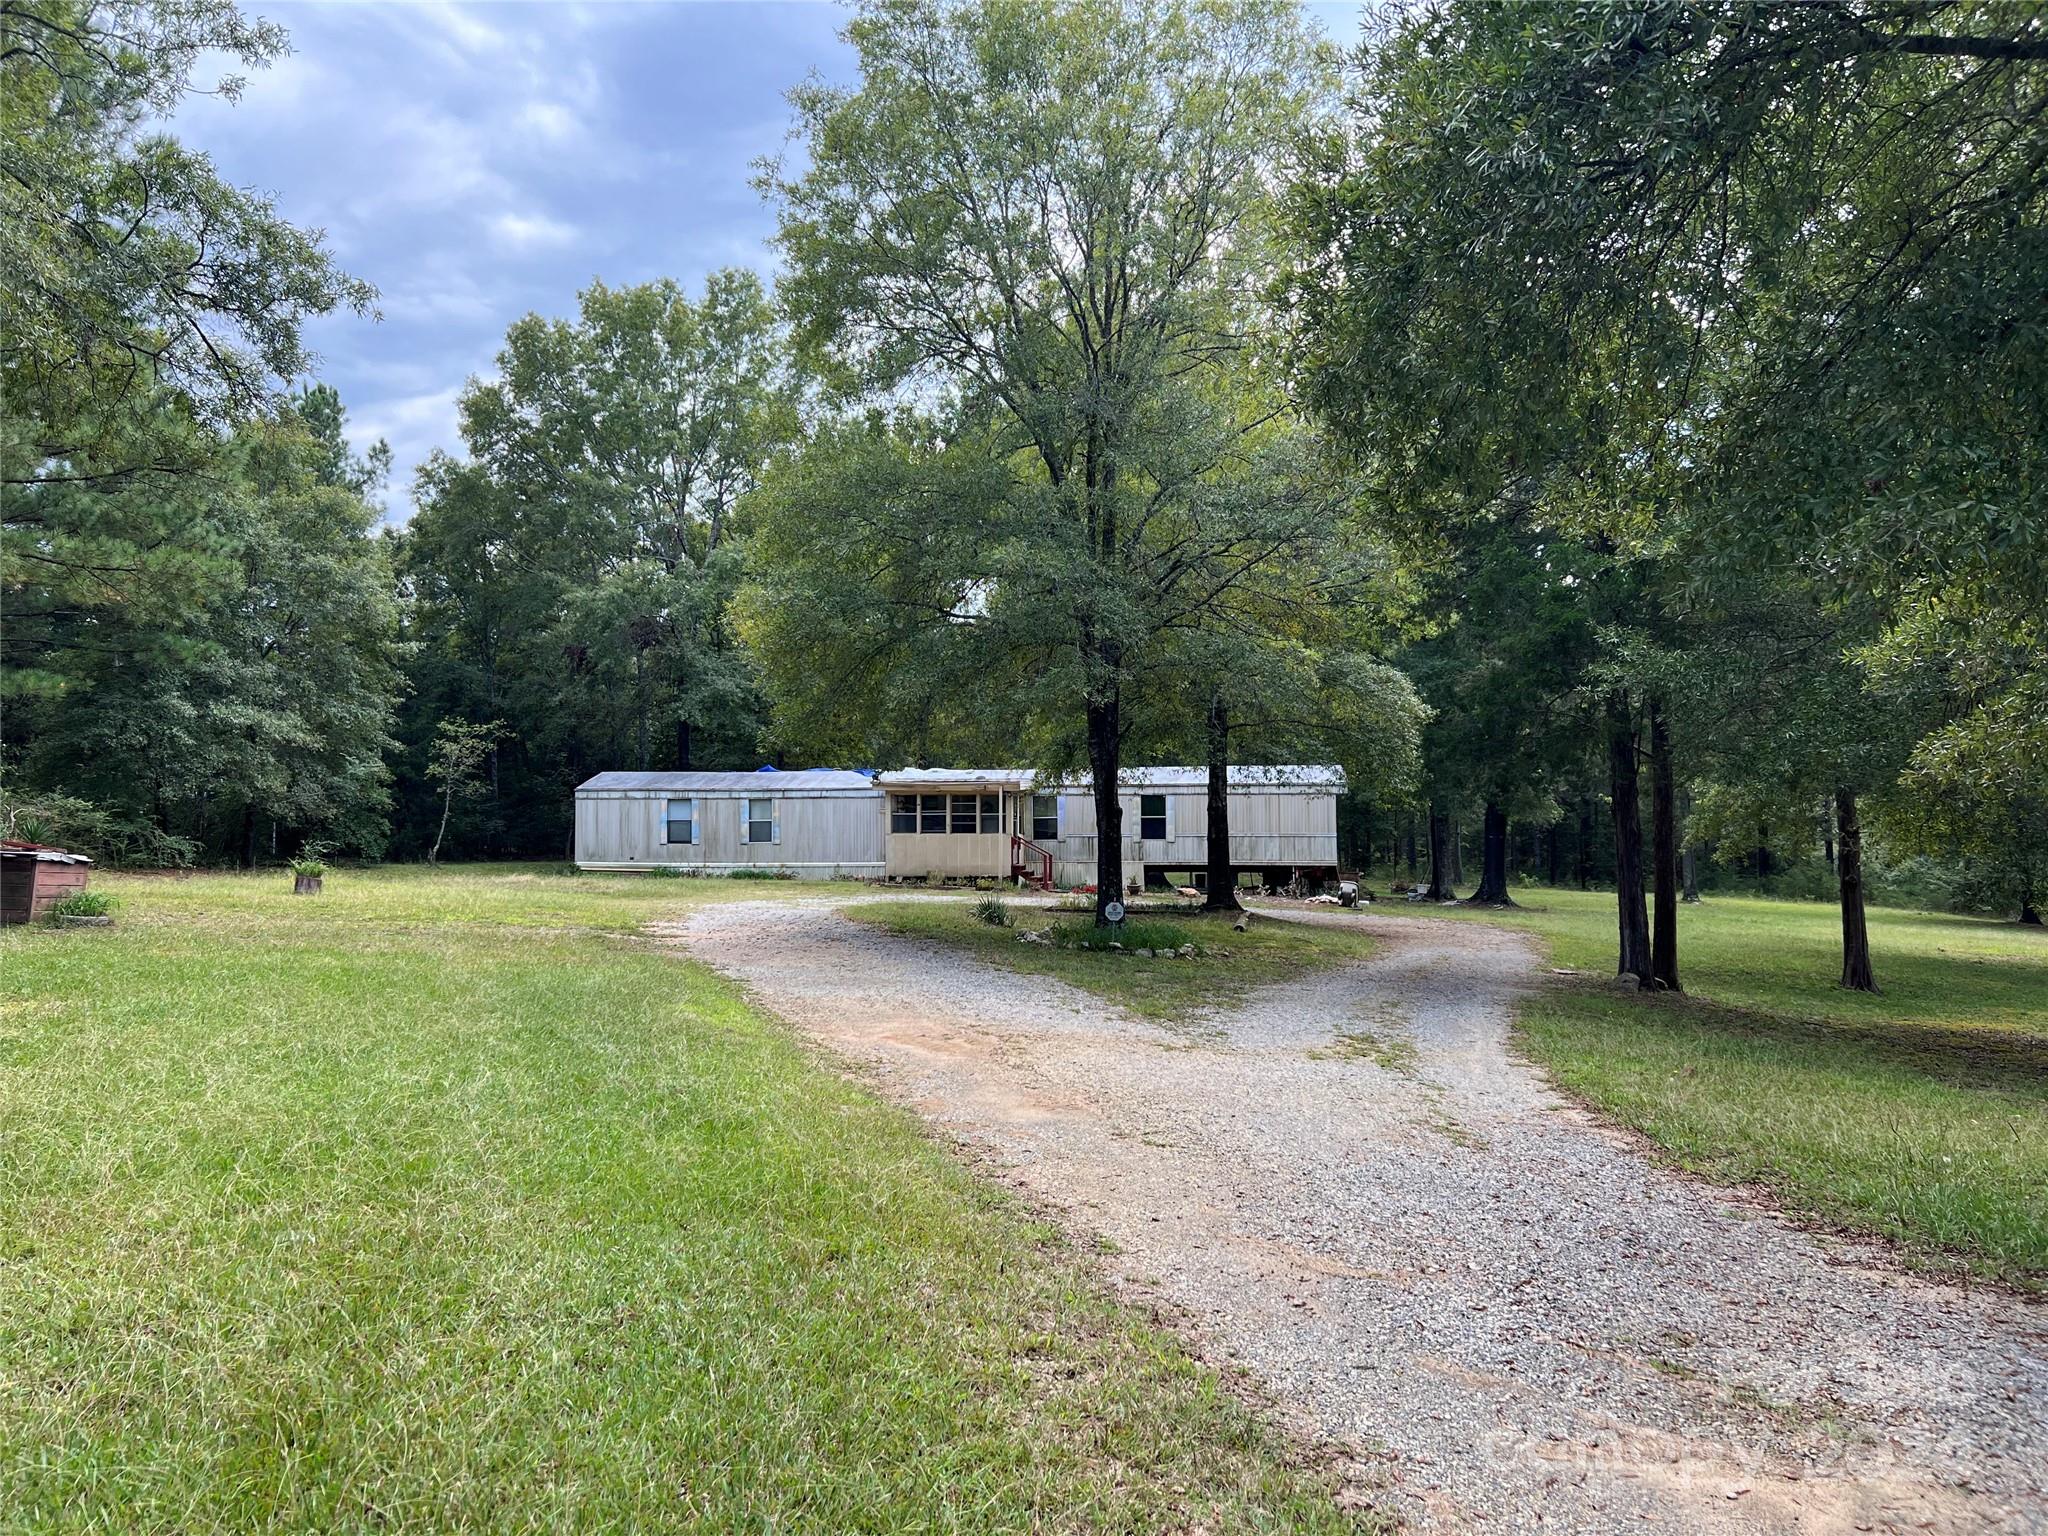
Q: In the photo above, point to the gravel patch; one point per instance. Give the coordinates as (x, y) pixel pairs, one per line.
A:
(1352, 1187)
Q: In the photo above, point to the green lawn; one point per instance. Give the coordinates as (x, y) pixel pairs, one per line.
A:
(1920, 1114)
(437, 1202)
(1172, 990)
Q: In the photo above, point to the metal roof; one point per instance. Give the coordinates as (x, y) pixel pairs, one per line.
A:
(994, 778)
(1308, 777)
(766, 781)
(15, 848)
(1325, 776)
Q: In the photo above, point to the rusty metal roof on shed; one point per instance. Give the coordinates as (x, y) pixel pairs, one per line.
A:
(14, 848)
(807, 781)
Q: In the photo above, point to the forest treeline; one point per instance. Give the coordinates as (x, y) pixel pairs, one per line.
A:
(1615, 433)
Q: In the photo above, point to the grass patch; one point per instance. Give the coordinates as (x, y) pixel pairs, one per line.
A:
(430, 1203)
(1394, 1053)
(1130, 936)
(1920, 1114)
(1168, 989)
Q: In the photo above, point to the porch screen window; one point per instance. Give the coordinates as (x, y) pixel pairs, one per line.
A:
(903, 813)
(991, 814)
(1152, 818)
(760, 821)
(682, 821)
(963, 813)
(931, 816)
(1045, 818)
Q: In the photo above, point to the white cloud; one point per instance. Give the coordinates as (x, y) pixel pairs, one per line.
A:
(531, 232)
(549, 120)
(414, 426)
(458, 31)
(450, 296)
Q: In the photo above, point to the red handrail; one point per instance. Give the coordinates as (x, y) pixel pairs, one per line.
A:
(1021, 845)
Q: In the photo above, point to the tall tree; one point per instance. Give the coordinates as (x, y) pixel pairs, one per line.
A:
(1048, 216)
(264, 705)
(146, 306)
(574, 578)
(1758, 287)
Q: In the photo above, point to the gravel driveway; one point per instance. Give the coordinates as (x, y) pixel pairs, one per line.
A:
(1352, 1187)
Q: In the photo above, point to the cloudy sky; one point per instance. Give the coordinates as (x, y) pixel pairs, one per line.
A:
(477, 162)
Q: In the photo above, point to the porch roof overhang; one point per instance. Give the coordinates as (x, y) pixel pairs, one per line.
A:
(957, 778)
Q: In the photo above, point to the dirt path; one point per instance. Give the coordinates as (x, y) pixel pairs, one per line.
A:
(1355, 1189)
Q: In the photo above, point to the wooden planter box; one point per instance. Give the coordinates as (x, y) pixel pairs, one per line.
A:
(33, 878)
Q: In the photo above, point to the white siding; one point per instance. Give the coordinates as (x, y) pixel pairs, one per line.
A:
(819, 835)
(1277, 828)
(844, 831)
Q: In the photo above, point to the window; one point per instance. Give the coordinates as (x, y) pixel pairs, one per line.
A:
(1152, 818)
(760, 821)
(903, 813)
(931, 816)
(1045, 818)
(991, 814)
(682, 821)
(963, 813)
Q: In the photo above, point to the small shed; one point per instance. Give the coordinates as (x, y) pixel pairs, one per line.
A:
(33, 878)
(815, 823)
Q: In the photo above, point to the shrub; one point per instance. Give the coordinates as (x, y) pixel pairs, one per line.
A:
(308, 868)
(990, 910)
(110, 836)
(760, 874)
(82, 904)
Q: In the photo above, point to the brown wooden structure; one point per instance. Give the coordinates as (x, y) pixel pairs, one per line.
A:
(33, 878)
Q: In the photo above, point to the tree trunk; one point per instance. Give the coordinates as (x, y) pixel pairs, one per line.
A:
(1222, 878)
(1688, 862)
(1439, 855)
(1856, 974)
(682, 746)
(640, 703)
(249, 836)
(1408, 837)
(447, 804)
(1493, 860)
(1552, 862)
(1624, 790)
(1105, 752)
(1663, 855)
(1584, 870)
(1457, 854)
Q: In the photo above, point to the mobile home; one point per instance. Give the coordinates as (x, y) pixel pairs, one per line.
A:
(941, 824)
(815, 823)
(1283, 822)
